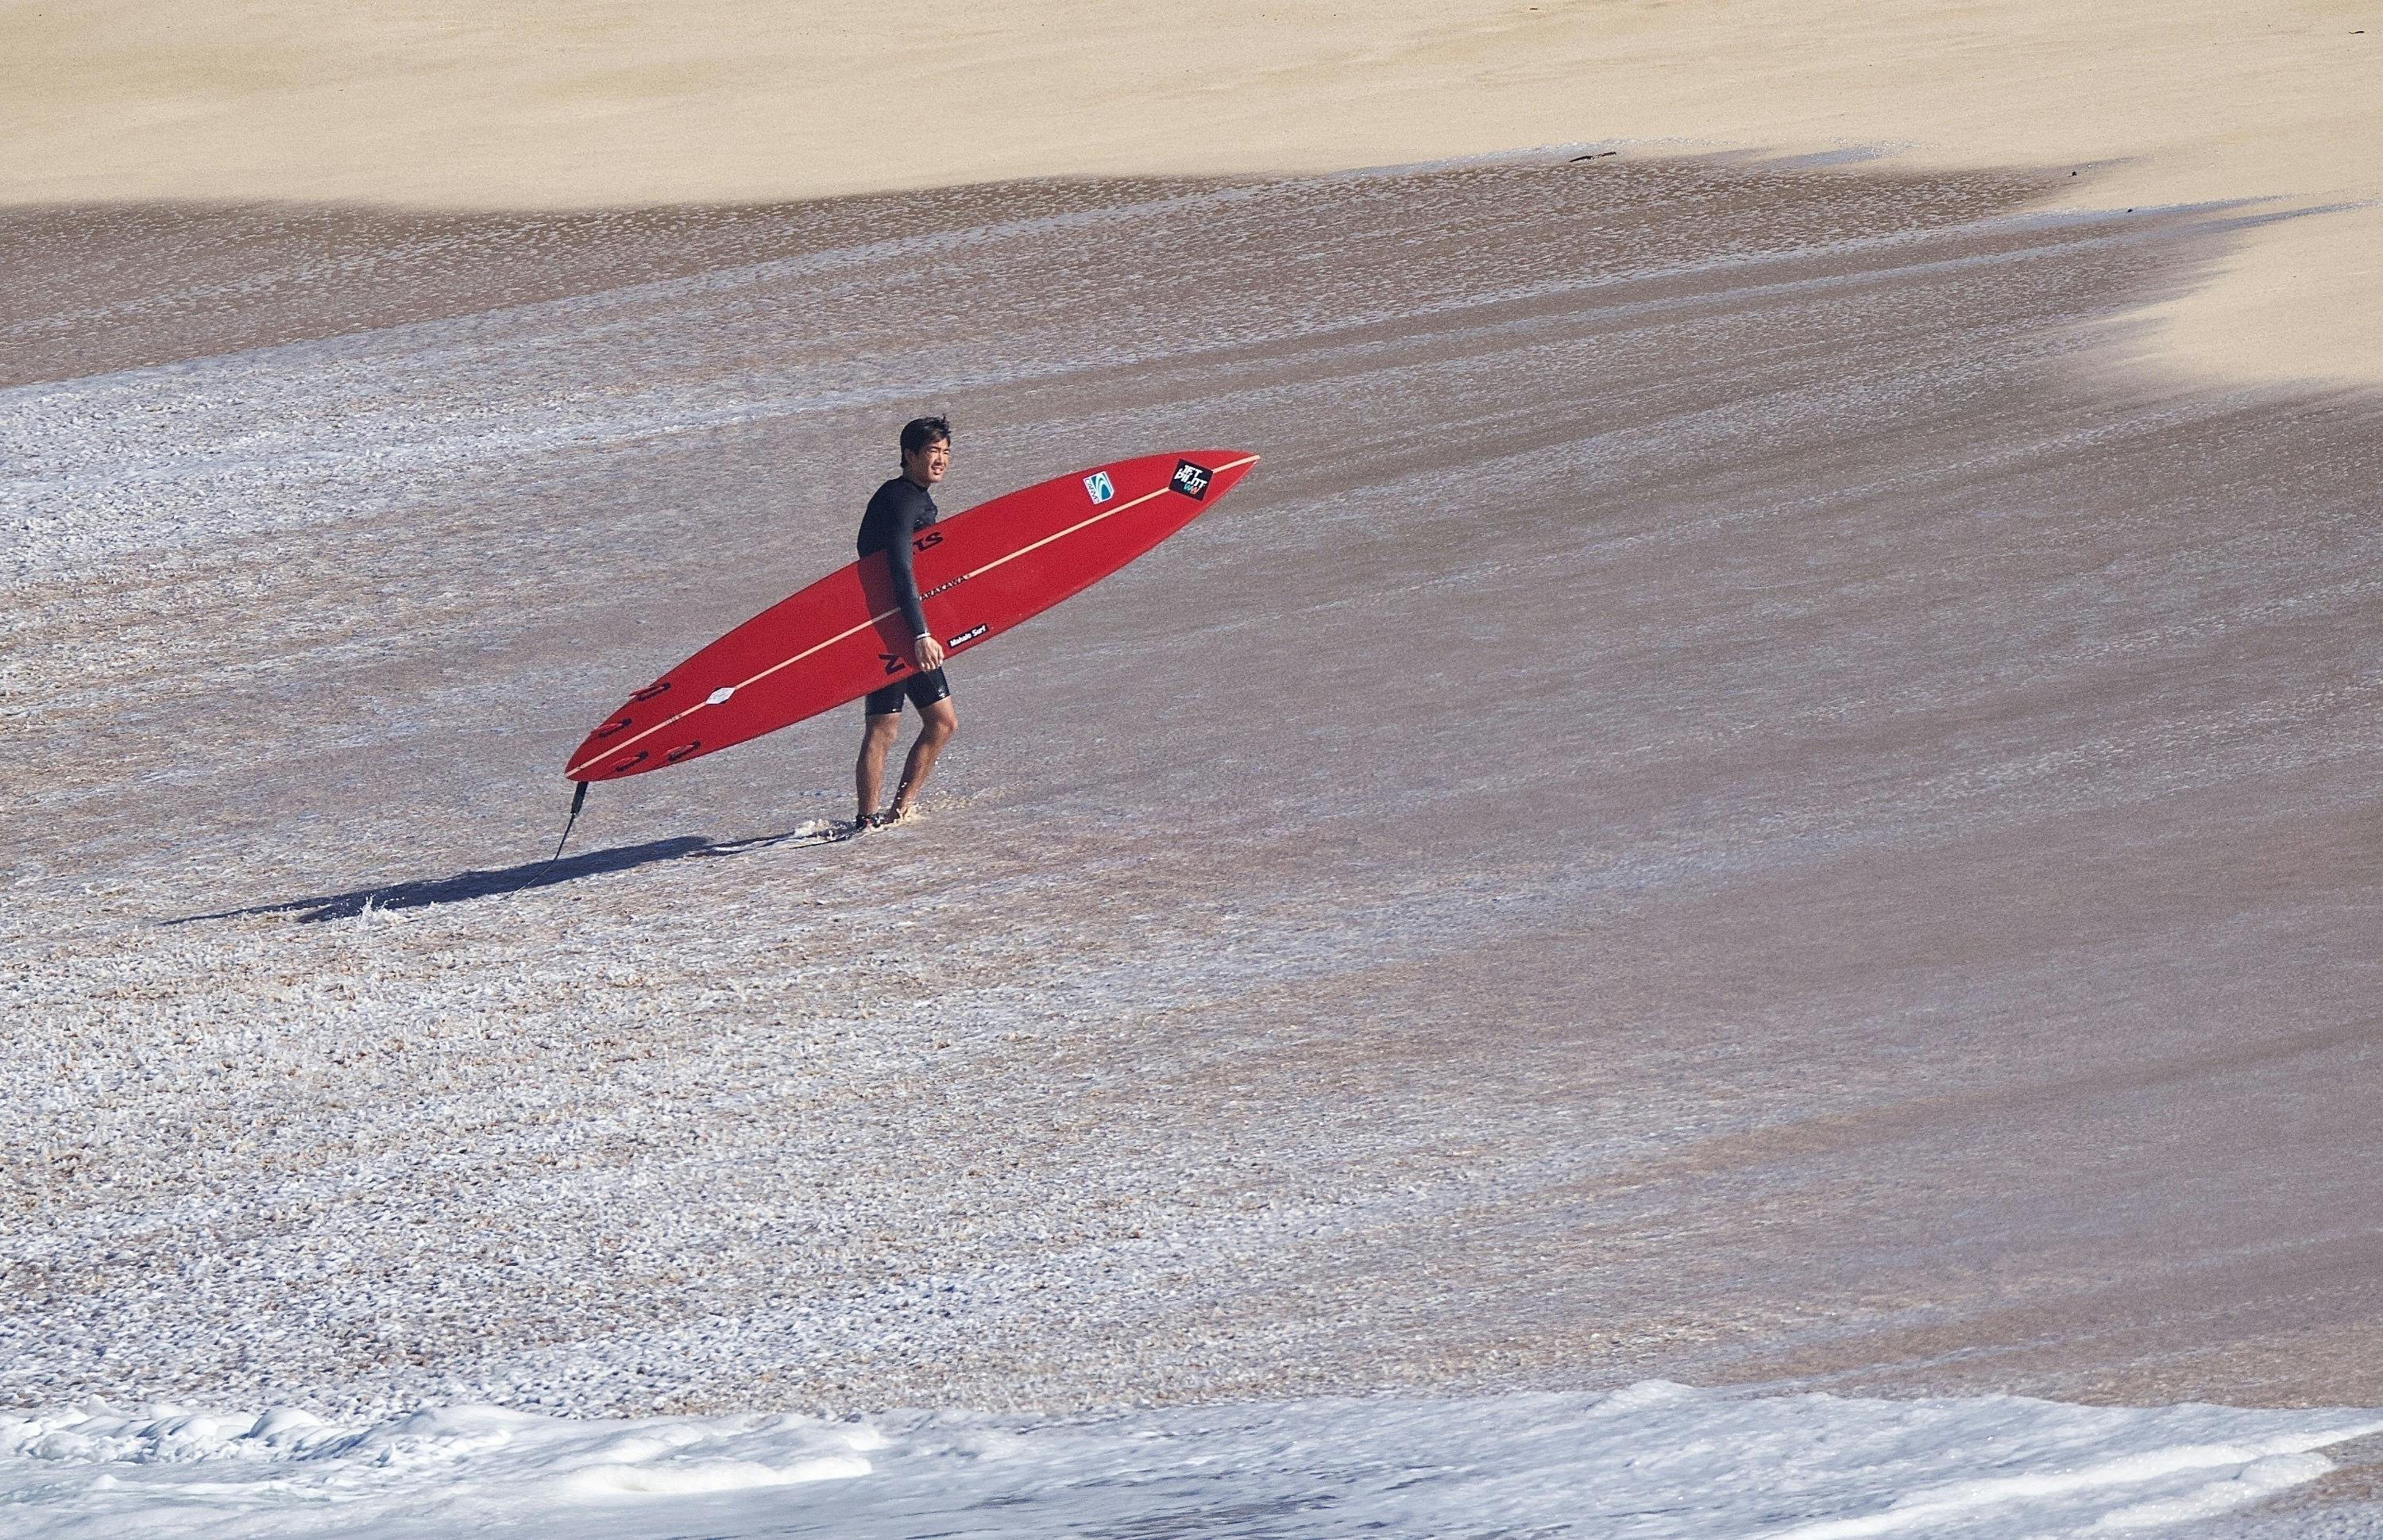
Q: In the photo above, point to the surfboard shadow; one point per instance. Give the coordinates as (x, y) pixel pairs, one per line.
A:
(493, 882)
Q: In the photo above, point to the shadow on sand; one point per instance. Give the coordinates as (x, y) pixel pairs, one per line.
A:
(494, 882)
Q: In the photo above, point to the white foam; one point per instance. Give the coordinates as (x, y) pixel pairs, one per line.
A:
(1654, 1462)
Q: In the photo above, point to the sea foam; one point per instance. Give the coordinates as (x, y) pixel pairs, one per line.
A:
(1651, 1462)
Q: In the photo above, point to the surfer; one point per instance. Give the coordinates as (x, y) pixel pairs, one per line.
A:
(901, 508)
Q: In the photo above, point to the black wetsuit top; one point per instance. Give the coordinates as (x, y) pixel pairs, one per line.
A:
(899, 510)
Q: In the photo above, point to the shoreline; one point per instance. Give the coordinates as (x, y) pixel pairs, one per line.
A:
(429, 104)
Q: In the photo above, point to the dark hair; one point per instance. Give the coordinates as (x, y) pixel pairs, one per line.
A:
(919, 432)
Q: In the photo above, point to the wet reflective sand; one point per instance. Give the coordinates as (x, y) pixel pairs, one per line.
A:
(1737, 799)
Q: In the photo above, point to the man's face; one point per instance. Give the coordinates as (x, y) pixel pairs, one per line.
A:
(927, 466)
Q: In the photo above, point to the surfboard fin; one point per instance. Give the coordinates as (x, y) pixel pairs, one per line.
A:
(578, 800)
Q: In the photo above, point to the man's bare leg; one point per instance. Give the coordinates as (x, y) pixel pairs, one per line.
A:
(940, 721)
(868, 772)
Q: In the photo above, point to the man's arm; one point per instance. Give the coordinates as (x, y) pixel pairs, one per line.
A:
(926, 651)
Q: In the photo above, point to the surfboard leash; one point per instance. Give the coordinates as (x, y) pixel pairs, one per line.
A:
(578, 800)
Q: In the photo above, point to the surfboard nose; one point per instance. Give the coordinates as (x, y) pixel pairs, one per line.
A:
(1223, 468)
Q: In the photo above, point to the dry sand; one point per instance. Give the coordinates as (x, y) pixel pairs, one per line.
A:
(584, 105)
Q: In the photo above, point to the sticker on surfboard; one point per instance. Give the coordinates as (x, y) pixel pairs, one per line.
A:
(1192, 480)
(1098, 488)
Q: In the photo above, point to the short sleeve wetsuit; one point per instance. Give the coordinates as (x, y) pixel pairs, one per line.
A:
(896, 514)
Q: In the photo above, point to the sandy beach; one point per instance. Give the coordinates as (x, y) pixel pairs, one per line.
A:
(557, 105)
(1769, 786)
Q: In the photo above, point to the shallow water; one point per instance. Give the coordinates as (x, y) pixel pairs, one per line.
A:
(1738, 798)
(1648, 1462)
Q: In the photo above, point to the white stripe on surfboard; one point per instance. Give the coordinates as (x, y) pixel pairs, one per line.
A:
(624, 743)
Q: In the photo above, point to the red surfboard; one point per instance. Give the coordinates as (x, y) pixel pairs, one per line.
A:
(980, 572)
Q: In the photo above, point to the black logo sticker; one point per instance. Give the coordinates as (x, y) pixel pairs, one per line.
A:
(1192, 480)
(965, 637)
(892, 665)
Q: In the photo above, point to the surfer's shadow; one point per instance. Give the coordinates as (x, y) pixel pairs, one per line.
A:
(498, 881)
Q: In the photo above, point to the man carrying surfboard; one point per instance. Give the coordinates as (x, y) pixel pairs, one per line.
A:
(902, 508)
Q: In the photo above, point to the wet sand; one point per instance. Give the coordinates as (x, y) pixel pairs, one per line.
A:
(1742, 796)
